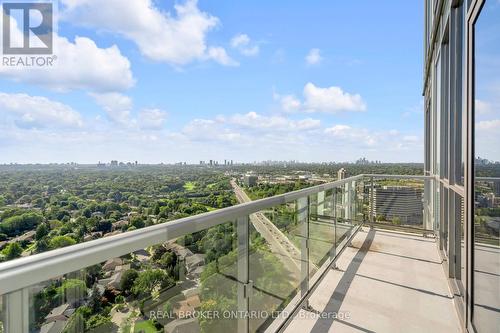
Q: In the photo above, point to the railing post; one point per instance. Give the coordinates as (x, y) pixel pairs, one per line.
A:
(244, 285)
(333, 250)
(320, 210)
(348, 202)
(372, 217)
(17, 311)
(303, 219)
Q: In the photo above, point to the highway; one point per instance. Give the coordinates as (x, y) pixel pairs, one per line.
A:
(280, 245)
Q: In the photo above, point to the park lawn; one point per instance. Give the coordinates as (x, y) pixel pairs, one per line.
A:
(145, 326)
(190, 186)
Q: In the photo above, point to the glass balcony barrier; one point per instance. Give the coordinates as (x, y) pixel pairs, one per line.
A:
(486, 253)
(245, 268)
(400, 203)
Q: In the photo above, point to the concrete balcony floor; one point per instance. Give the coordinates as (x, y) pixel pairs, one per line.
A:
(384, 282)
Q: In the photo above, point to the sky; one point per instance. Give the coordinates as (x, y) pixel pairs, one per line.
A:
(163, 81)
(488, 82)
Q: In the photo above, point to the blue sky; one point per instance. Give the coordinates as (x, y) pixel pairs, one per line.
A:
(488, 81)
(248, 80)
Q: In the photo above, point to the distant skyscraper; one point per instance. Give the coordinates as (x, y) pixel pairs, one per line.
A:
(341, 174)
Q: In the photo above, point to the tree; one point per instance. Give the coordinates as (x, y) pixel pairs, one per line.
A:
(104, 226)
(137, 222)
(41, 231)
(99, 321)
(76, 323)
(42, 245)
(13, 251)
(128, 279)
(15, 225)
(158, 252)
(151, 280)
(61, 241)
(95, 301)
(72, 290)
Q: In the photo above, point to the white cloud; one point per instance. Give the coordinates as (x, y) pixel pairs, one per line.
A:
(209, 130)
(410, 138)
(364, 138)
(288, 103)
(331, 100)
(80, 65)
(160, 36)
(483, 107)
(243, 44)
(117, 107)
(119, 110)
(487, 138)
(339, 130)
(249, 129)
(314, 57)
(256, 121)
(488, 125)
(322, 100)
(38, 112)
(242, 137)
(152, 119)
(219, 55)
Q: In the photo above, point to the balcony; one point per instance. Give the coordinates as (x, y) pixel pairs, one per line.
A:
(336, 256)
(384, 282)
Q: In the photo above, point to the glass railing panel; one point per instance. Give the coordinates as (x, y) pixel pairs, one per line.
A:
(321, 230)
(239, 275)
(184, 285)
(397, 203)
(361, 199)
(345, 213)
(277, 237)
(3, 313)
(486, 253)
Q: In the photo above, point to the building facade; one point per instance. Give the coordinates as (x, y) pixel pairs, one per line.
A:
(250, 180)
(461, 44)
(398, 203)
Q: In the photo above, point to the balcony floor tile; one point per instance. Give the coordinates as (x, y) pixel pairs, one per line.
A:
(384, 282)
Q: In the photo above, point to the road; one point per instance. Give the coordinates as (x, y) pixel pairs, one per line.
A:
(280, 245)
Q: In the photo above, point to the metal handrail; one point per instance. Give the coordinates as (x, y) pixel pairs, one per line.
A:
(24, 272)
(488, 179)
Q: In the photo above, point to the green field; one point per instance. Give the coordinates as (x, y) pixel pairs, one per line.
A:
(190, 186)
(145, 326)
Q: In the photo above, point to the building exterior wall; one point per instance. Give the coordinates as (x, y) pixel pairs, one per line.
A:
(449, 116)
